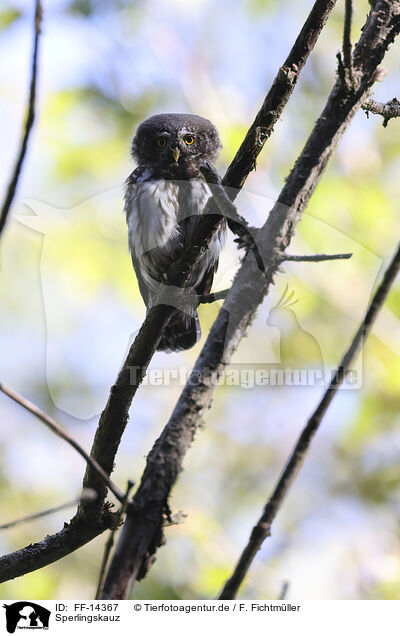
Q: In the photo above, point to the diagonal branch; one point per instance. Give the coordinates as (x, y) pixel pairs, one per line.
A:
(30, 117)
(56, 428)
(274, 103)
(262, 529)
(86, 495)
(142, 533)
(79, 531)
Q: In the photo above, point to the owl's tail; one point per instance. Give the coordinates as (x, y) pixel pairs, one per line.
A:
(182, 332)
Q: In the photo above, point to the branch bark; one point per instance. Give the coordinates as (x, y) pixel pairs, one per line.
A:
(388, 111)
(30, 118)
(79, 531)
(142, 532)
(316, 258)
(262, 529)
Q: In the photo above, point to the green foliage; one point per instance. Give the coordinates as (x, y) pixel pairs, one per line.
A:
(8, 16)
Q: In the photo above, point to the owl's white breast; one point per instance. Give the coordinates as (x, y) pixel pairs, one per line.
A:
(153, 211)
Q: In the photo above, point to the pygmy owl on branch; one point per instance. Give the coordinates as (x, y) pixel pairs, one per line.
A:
(164, 196)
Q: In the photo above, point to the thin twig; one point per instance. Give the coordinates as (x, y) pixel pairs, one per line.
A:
(284, 590)
(30, 117)
(110, 542)
(263, 527)
(388, 111)
(315, 258)
(87, 495)
(347, 48)
(56, 428)
(211, 298)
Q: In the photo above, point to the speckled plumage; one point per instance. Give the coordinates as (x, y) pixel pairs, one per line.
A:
(164, 196)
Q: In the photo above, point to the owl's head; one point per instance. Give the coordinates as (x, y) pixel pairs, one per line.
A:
(174, 139)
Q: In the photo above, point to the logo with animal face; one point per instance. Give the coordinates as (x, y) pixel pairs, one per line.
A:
(26, 615)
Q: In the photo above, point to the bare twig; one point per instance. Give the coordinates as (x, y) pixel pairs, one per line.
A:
(110, 541)
(211, 298)
(315, 258)
(86, 495)
(30, 117)
(56, 428)
(388, 111)
(284, 590)
(347, 47)
(263, 527)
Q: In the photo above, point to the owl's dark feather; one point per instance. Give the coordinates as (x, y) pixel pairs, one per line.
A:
(164, 196)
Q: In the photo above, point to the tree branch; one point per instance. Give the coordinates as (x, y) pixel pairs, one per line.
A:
(315, 258)
(347, 48)
(88, 495)
(388, 111)
(142, 532)
(56, 428)
(110, 540)
(30, 117)
(211, 298)
(263, 527)
(81, 530)
(278, 96)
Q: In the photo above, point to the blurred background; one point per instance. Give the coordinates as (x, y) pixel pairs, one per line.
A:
(70, 302)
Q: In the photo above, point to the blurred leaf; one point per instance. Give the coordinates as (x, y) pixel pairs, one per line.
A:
(8, 16)
(258, 7)
(80, 6)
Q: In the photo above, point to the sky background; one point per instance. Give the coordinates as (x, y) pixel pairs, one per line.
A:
(70, 302)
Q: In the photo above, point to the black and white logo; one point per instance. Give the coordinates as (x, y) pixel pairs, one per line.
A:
(26, 615)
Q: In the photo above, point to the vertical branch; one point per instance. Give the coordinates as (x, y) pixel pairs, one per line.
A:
(347, 48)
(346, 68)
(30, 118)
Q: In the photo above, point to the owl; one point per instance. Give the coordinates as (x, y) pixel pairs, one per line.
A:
(164, 196)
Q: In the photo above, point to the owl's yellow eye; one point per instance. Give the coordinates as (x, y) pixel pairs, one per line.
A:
(161, 142)
(189, 140)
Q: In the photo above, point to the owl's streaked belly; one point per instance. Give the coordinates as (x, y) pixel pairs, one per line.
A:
(154, 210)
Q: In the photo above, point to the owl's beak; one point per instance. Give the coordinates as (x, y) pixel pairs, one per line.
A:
(175, 153)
